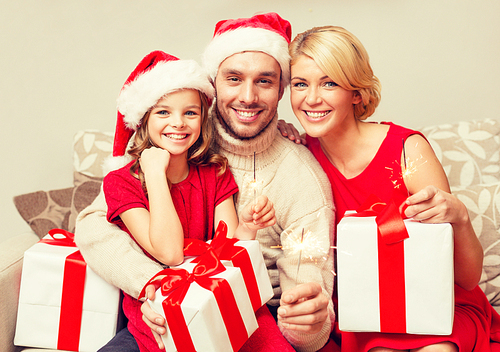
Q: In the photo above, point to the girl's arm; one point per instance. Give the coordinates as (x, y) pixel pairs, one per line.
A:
(159, 230)
(432, 202)
(252, 218)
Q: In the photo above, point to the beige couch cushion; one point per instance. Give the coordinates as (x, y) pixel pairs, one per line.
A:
(11, 259)
(468, 150)
(483, 203)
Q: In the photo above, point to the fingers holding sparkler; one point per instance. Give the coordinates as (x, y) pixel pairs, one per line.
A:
(303, 308)
(263, 212)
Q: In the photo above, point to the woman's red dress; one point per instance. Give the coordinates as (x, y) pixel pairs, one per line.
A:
(476, 324)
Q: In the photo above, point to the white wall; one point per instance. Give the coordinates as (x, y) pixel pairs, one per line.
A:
(63, 63)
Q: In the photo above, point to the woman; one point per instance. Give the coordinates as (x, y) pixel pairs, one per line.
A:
(333, 90)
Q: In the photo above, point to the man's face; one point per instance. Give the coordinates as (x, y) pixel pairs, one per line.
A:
(248, 91)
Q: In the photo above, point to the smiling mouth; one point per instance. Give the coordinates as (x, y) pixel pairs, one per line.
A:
(317, 114)
(175, 136)
(246, 114)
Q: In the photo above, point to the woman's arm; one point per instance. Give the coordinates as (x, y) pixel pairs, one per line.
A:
(432, 202)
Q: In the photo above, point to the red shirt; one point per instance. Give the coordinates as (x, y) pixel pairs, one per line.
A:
(194, 199)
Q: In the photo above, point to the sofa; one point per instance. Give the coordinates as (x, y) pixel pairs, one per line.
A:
(468, 150)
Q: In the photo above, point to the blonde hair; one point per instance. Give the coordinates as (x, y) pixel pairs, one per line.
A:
(200, 153)
(342, 57)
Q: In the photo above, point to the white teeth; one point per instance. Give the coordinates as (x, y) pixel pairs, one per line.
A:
(316, 115)
(246, 113)
(176, 136)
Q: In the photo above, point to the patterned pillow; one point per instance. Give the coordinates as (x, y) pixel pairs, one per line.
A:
(90, 149)
(483, 203)
(44, 211)
(85, 191)
(469, 151)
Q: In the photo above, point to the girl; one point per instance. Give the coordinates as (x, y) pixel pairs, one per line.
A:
(175, 187)
(333, 90)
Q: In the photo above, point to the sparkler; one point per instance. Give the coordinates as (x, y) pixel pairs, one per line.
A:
(301, 247)
(254, 186)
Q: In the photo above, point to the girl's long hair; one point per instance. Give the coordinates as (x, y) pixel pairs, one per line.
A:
(201, 153)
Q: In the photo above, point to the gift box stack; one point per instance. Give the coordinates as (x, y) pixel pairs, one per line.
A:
(394, 275)
(63, 304)
(209, 301)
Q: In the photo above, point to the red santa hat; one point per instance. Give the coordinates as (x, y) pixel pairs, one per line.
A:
(267, 33)
(156, 75)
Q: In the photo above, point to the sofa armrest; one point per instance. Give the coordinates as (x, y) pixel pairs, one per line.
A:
(11, 258)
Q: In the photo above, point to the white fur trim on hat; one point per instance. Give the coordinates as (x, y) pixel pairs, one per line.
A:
(144, 92)
(112, 163)
(247, 39)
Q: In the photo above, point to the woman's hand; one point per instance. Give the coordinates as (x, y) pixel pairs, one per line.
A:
(432, 205)
(289, 130)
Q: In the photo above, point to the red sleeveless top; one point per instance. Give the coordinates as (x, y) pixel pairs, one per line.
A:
(476, 324)
(382, 177)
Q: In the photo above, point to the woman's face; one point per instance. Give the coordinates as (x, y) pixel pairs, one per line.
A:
(175, 121)
(318, 102)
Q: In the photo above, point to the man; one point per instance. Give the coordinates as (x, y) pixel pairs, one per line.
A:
(249, 63)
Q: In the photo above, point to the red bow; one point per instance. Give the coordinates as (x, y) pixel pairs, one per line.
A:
(224, 248)
(175, 283)
(68, 239)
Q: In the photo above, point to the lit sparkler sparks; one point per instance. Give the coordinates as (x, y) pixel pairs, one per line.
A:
(307, 245)
(409, 168)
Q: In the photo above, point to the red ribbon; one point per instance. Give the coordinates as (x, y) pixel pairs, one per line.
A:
(175, 283)
(224, 248)
(68, 239)
(391, 232)
(70, 318)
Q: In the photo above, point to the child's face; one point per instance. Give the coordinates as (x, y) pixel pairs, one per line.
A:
(175, 121)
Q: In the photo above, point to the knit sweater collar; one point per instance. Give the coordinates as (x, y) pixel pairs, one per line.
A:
(244, 147)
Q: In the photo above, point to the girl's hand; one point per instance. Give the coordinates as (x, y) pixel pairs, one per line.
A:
(263, 214)
(289, 130)
(432, 205)
(154, 159)
(255, 217)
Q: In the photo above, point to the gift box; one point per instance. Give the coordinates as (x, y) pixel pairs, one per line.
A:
(205, 305)
(395, 283)
(63, 304)
(245, 255)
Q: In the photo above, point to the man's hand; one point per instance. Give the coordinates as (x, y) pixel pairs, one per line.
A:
(154, 320)
(303, 308)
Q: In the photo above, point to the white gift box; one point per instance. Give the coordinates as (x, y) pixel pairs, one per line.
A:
(428, 277)
(259, 272)
(247, 256)
(202, 314)
(41, 292)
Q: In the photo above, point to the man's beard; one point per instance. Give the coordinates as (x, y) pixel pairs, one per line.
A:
(230, 128)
